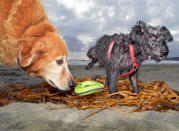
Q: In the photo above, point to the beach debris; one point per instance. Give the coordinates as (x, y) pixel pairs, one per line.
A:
(155, 96)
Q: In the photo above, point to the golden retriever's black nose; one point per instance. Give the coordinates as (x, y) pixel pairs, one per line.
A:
(72, 83)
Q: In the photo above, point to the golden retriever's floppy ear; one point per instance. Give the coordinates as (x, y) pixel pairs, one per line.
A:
(29, 50)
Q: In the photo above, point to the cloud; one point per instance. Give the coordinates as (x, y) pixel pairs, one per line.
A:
(85, 38)
(79, 6)
(173, 49)
(88, 20)
(73, 43)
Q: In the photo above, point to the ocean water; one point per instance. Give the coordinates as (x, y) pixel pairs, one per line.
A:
(85, 62)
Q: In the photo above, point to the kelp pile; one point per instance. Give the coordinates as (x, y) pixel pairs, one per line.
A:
(155, 95)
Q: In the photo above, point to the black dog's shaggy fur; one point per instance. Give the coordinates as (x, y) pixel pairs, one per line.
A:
(148, 41)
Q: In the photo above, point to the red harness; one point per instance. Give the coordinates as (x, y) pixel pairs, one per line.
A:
(132, 54)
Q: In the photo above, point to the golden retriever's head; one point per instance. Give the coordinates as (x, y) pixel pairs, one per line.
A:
(47, 57)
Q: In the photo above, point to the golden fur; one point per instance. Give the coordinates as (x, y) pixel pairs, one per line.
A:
(18, 20)
(26, 33)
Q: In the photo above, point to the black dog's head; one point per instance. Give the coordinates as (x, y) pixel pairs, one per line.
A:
(153, 40)
(157, 42)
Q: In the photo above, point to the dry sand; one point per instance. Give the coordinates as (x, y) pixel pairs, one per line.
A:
(30, 116)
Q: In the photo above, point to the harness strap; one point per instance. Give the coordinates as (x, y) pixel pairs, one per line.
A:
(132, 54)
(110, 49)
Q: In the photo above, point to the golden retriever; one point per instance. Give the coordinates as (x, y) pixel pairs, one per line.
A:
(27, 35)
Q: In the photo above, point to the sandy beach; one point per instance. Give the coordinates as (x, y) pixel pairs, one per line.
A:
(31, 116)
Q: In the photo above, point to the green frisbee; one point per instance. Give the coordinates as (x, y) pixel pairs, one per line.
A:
(88, 87)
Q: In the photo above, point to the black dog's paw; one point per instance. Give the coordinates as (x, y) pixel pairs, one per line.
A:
(136, 90)
(117, 96)
(113, 92)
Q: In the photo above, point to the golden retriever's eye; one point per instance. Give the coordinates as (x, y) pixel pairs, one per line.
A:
(59, 61)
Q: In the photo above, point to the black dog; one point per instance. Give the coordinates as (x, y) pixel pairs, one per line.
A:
(147, 41)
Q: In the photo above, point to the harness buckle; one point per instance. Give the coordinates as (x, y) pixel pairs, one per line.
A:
(135, 66)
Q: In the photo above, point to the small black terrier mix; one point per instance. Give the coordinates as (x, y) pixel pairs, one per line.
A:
(119, 53)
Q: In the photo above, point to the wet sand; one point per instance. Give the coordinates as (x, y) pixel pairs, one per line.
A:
(30, 116)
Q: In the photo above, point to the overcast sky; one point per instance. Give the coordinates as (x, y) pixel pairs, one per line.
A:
(81, 22)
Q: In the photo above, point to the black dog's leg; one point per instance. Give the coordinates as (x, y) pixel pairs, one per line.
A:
(90, 65)
(111, 81)
(133, 79)
(107, 80)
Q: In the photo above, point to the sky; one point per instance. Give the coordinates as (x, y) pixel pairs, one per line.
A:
(82, 22)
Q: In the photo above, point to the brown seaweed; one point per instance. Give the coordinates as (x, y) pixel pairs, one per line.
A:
(155, 95)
